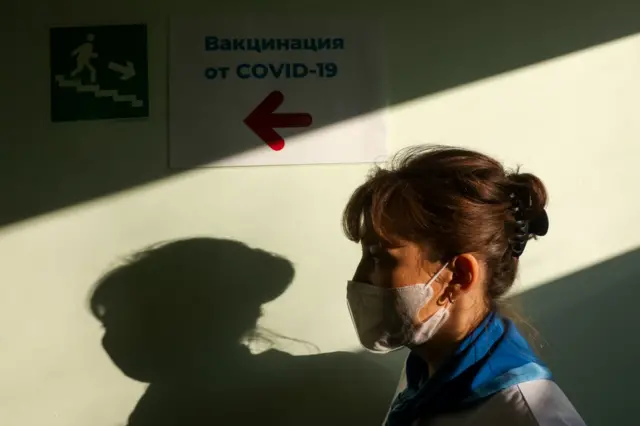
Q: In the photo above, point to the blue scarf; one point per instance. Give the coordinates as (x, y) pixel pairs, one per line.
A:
(493, 357)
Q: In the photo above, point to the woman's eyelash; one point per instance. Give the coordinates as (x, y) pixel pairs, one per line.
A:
(374, 250)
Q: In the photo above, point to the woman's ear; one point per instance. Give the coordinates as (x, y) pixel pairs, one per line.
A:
(466, 272)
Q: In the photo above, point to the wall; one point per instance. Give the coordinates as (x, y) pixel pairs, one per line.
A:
(583, 323)
(552, 87)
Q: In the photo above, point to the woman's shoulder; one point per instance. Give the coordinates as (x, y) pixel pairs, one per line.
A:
(533, 403)
(547, 403)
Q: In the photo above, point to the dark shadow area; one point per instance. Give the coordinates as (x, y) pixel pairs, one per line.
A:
(457, 42)
(443, 45)
(174, 317)
(587, 324)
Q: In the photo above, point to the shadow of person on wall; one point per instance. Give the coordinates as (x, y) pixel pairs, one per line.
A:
(175, 316)
(587, 327)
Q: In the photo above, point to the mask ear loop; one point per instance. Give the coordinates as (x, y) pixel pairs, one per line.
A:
(446, 295)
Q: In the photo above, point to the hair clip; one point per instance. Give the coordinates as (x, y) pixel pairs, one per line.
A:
(539, 225)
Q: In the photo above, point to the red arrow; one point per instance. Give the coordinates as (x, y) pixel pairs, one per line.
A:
(263, 120)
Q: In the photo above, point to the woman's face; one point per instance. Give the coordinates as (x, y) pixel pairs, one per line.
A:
(400, 265)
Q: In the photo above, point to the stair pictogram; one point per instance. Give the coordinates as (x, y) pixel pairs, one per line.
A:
(97, 91)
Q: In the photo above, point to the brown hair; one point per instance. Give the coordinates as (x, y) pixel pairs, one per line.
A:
(455, 200)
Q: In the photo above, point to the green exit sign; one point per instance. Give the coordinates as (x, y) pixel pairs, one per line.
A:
(99, 72)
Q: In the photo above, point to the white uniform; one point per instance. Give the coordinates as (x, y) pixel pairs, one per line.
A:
(532, 403)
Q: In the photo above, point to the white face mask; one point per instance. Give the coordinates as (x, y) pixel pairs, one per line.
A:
(384, 317)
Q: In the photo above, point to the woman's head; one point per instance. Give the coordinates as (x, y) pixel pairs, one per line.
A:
(445, 208)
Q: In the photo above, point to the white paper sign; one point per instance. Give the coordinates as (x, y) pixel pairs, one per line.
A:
(268, 91)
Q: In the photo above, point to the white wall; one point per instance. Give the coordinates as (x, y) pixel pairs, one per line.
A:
(571, 119)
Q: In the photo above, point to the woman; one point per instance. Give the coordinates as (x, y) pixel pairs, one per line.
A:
(441, 232)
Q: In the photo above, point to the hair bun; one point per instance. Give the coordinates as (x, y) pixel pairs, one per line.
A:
(530, 190)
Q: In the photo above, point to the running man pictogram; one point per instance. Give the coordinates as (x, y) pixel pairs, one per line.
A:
(84, 53)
